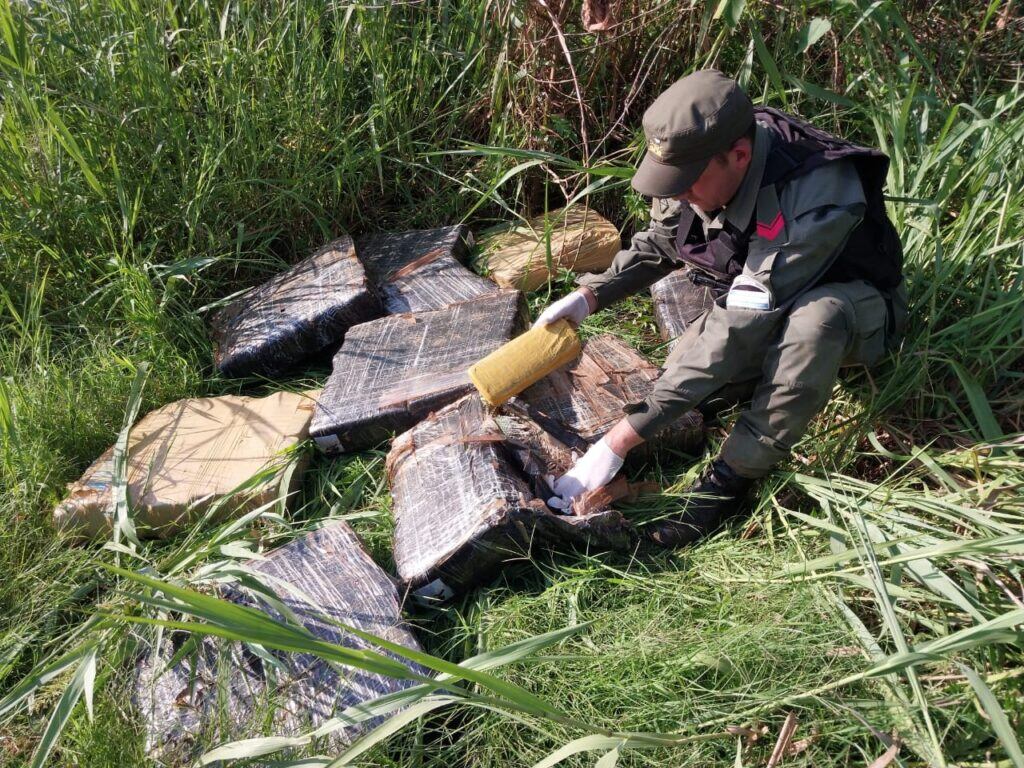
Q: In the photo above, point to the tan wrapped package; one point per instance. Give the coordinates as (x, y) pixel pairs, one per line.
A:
(188, 455)
(581, 241)
(525, 360)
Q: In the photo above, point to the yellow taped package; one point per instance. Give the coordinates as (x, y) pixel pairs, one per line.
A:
(525, 360)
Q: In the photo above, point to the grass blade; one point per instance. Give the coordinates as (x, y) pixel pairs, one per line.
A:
(249, 624)
(67, 140)
(123, 525)
(609, 759)
(391, 726)
(385, 704)
(983, 414)
(997, 716)
(80, 683)
(584, 744)
(40, 677)
(812, 32)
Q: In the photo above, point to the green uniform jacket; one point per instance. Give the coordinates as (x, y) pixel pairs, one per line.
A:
(819, 210)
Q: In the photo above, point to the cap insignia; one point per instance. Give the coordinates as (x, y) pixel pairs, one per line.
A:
(655, 147)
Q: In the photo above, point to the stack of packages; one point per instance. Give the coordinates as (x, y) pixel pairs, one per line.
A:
(405, 320)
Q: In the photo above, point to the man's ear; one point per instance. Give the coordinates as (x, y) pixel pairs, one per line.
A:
(742, 150)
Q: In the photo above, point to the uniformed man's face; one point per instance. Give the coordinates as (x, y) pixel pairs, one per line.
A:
(717, 185)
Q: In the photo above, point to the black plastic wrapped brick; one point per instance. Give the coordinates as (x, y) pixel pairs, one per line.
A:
(422, 269)
(679, 301)
(216, 691)
(392, 372)
(294, 315)
(468, 486)
(586, 397)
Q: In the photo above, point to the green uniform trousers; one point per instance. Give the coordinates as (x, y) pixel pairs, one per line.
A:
(827, 327)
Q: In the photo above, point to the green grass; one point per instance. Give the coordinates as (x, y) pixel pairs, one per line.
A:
(157, 158)
(673, 642)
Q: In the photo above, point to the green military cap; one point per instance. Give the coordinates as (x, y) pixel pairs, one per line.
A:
(695, 119)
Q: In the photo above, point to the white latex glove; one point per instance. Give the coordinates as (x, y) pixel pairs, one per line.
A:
(573, 308)
(592, 470)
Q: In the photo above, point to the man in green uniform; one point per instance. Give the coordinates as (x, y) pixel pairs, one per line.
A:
(790, 222)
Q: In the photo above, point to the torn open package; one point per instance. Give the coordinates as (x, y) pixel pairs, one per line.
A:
(294, 315)
(422, 269)
(224, 690)
(584, 399)
(469, 485)
(392, 372)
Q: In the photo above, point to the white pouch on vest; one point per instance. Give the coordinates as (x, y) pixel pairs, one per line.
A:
(746, 293)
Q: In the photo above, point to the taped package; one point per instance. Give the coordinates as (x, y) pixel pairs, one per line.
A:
(586, 398)
(295, 315)
(468, 486)
(224, 691)
(679, 302)
(581, 240)
(524, 361)
(191, 457)
(392, 372)
(420, 270)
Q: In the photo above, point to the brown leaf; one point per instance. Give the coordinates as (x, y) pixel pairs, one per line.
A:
(801, 745)
(888, 756)
(782, 744)
(750, 735)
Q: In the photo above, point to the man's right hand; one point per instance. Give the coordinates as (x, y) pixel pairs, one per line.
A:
(593, 469)
(575, 308)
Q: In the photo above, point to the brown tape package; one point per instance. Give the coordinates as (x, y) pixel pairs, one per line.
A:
(224, 691)
(679, 302)
(188, 456)
(581, 241)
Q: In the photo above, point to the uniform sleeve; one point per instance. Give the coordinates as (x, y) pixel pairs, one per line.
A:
(651, 255)
(730, 344)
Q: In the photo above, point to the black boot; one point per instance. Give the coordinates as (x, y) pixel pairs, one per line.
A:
(716, 496)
